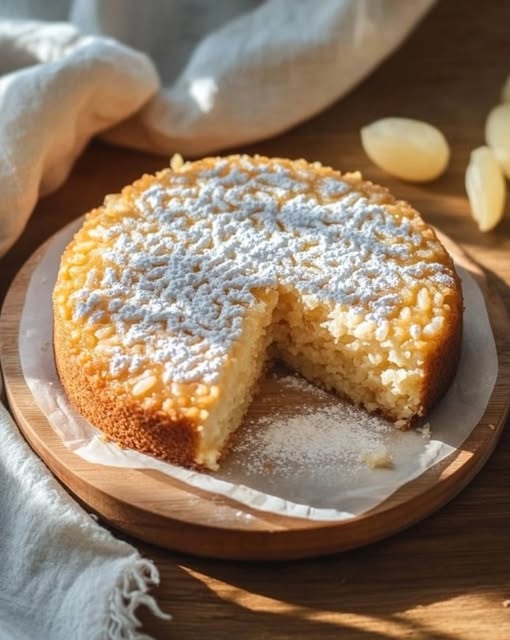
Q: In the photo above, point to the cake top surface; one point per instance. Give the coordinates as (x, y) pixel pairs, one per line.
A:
(175, 261)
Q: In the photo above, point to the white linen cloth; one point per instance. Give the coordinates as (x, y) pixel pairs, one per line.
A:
(196, 77)
(62, 576)
(228, 72)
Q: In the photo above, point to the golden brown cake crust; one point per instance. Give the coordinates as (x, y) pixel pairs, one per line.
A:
(171, 428)
(442, 364)
(121, 420)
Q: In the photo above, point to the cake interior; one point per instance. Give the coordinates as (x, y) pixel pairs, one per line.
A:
(238, 382)
(380, 367)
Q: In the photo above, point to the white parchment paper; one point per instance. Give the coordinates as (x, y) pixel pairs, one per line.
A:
(328, 477)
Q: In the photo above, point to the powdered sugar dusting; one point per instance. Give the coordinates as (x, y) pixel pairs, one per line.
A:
(198, 243)
(299, 384)
(325, 433)
(318, 438)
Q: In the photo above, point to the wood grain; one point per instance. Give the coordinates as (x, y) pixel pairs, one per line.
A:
(447, 577)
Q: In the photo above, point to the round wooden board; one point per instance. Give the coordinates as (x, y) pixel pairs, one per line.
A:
(155, 508)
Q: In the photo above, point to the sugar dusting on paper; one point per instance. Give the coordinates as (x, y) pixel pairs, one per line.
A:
(324, 434)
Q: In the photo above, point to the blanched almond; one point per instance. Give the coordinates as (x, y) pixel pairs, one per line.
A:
(408, 149)
(486, 188)
(497, 135)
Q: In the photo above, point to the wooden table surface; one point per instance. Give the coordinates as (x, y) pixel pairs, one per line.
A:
(449, 576)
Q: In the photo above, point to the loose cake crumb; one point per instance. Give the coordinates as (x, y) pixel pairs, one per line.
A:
(176, 162)
(379, 459)
(506, 604)
(492, 427)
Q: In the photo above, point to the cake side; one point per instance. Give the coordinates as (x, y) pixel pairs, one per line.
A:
(122, 419)
(441, 365)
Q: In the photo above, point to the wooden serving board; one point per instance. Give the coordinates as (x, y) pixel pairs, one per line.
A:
(161, 510)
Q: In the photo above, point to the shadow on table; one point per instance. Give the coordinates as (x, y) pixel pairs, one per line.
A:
(426, 583)
(406, 586)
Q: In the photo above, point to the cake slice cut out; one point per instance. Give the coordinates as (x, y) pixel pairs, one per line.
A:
(176, 292)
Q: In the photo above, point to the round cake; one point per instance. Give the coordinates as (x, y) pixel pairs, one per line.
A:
(175, 293)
